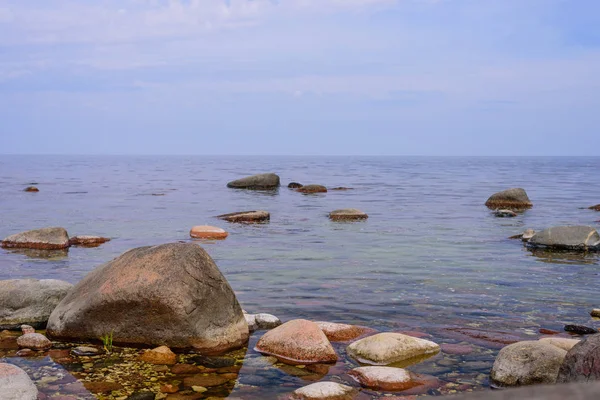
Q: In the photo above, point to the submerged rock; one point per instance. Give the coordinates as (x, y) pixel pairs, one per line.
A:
(257, 182)
(512, 199)
(388, 348)
(343, 332)
(527, 363)
(580, 329)
(15, 384)
(347, 214)
(31, 189)
(34, 341)
(208, 232)
(297, 342)
(88, 241)
(384, 378)
(45, 239)
(29, 301)
(159, 356)
(246, 216)
(505, 213)
(573, 238)
(295, 185)
(325, 391)
(312, 189)
(172, 294)
(582, 362)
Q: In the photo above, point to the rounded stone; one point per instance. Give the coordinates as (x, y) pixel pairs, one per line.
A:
(208, 232)
(266, 321)
(595, 313)
(325, 391)
(34, 341)
(15, 384)
(295, 185)
(388, 348)
(512, 199)
(86, 351)
(582, 362)
(246, 216)
(31, 189)
(384, 378)
(53, 238)
(595, 208)
(256, 182)
(159, 356)
(297, 342)
(347, 214)
(572, 238)
(312, 189)
(527, 363)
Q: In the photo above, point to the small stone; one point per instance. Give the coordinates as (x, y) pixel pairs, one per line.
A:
(595, 208)
(159, 356)
(324, 391)
(388, 348)
(267, 321)
(246, 216)
(199, 389)
(31, 189)
(169, 388)
(384, 378)
(513, 199)
(88, 241)
(27, 329)
(34, 341)
(208, 232)
(102, 387)
(312, 189)
(295, 185)
(257, 182)
(545, 331)
(143, 396)
(595, 313)
(347, 214)
(505, 213)
(528, 234)
(580, 329)
(54, 238)
(86, 351)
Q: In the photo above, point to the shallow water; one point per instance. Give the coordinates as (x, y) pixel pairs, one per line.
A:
(431, 256)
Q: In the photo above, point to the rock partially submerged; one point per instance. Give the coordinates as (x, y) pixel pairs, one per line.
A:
(88, 240)
(172, 294)
(295, 185)
(308, 189)
(208, 232)
(31, 189)
(512, 199)
(256, 182)
(29, 301)
(246, 216)
(261, 321)
(580, 329)
(595, 208)
(527, 363)
(347, 214)
(53, 238)
(324, 391)
(297, 342)
(505, 214)
(15, 384)
(34, 341)
(388, 348)
(343, 332)
(525, 236)
(384, 378)
(582, 362)
(159, 356)
(568, 238)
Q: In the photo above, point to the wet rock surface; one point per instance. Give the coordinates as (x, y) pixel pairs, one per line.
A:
(570, 238)
(53, 238)
(347, 214)
(512, 199)
(343, 332)
(29, 301)
(325, 391)
(208, 232)
(308, 189)
(88, 240)
(580, 329)
(388, 348)
(246, 216)
(582, 362)
(384, 378)
(256, 182)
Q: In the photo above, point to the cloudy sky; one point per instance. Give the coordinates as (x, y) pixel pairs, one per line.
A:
(323, 77)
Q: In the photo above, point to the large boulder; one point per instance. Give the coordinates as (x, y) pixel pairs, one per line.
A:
(42, 239)
(256, 182)
(15, 384)
(582, 362)
(29, 301)
(512, 199)
(574, 238)
(172, 295)
(389, 348)
(527, 363)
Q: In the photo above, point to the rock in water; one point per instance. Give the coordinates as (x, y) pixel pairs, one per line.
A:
(527, 363)
(595, 313)
(573, 238)
(88, 241)
(505, 213)
(297, 342)
(580, 329)
(512, 199)
(15, 384)
(159, 356)
(41, 239)
(31, 189)
(29, 301)
(388, 348)
(384, 378)
(246, 216)
(342, 332)
(295, 185)
(582, 362)
(172, 294)
(34, 341)
(595, 208)
(312, 189)
(324, 391)
(256, 182)
(347, 214)
(208, 232)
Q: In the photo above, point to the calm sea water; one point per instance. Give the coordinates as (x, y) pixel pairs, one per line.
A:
(430, 256)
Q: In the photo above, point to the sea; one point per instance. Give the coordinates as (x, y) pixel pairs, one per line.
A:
(431, 258)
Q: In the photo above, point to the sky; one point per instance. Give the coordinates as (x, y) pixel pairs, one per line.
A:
(300, 77)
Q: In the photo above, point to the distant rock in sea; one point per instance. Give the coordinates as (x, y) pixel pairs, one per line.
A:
(32, 189)
(256, 182)
(246, 216)
(512, 199)
(312, 189)
(43, 239)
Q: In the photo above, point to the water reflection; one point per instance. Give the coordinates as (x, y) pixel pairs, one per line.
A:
(565, 257)
(50, 255)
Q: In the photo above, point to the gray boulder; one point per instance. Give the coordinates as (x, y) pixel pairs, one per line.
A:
(527, 363)
(577, 238)
(582, 362)
(29, 301)
(512, 199)
(44, 239)
(15, 384)
(172, 295)
(256, 182)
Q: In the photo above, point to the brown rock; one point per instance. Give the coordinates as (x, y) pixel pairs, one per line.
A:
(312, 189)
(27, 329)
(388, 348)
(347, 214)
(34, 341)
(183, 369)
(31, 189)
(44, 239)
(208, 232)
(102, 387)
(208, 380)
(545, 331)
(595, 208)
(343, 332)
(297, 342)
(88, 241)
(512, 199)
(595, 313)
(25, 353)
(295, 185)
(384, 378)
(246, 216)
(159, 356)
(168, 388)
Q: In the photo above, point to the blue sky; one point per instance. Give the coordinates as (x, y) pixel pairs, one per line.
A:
(318, 77)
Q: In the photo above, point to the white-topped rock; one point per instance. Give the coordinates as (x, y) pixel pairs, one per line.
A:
(325, 391)
(388, 348)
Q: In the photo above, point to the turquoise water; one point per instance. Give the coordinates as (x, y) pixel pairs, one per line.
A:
(431, 256)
